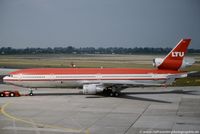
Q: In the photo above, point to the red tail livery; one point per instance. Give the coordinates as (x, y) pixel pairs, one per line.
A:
(174, 59)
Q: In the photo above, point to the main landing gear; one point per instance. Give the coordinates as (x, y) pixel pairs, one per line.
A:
(111, 92)
(114, 94)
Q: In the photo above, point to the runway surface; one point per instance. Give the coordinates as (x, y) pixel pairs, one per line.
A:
(137, 110)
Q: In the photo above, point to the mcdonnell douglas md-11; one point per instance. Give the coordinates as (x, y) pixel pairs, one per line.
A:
(106, 80)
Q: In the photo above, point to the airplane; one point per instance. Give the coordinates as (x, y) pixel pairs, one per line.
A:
(109, 81)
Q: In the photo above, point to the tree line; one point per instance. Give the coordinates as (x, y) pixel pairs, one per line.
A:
(87, 50)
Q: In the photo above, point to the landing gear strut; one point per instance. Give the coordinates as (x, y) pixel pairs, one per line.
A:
(31, 92)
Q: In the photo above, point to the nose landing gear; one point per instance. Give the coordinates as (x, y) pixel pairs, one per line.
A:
(31, 92)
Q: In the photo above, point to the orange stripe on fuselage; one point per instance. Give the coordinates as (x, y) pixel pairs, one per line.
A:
(60, 71)
(9, 80)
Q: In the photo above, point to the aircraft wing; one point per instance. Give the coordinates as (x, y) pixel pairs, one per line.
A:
(120, 85)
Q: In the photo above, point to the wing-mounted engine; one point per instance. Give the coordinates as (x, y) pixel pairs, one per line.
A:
(92, 88)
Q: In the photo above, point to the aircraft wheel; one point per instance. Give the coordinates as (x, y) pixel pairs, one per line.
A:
(30, 94)
(2, 95)
(116, 94)
(111, 94)
(12, 94)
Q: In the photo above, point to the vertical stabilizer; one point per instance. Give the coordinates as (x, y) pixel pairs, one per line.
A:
(174, 59)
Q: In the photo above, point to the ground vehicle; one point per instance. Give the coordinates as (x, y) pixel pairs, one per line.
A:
(9, 93)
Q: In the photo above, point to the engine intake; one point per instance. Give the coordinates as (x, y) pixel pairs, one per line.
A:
(157, 62)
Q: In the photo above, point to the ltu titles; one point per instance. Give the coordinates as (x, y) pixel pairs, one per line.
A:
(178, 54)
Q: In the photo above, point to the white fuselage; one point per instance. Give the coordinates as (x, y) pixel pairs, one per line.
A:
(76, 80)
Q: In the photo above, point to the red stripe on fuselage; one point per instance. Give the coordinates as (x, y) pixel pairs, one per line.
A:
(62, 71)
(7, 80)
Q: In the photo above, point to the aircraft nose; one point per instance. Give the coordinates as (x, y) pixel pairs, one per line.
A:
(6, 79)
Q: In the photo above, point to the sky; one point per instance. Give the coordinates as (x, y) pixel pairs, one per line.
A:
(98, 23)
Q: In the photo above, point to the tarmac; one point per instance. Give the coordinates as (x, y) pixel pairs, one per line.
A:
(67, 111)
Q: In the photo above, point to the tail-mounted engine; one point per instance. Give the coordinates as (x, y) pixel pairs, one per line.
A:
(92, 88)
(157, 62)
(187, 62)
(175, 58)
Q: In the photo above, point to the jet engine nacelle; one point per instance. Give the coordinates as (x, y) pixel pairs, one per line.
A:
(92, 88)
(157, 62)
(185, 63)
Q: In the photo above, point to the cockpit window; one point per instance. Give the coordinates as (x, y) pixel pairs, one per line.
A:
(10, 75)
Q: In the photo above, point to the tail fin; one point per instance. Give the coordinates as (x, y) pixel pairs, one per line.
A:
(174, 59)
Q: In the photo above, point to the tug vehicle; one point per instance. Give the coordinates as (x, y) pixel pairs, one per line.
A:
(10, 93)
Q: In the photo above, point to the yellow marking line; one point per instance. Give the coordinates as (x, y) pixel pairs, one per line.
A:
(2, 109)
